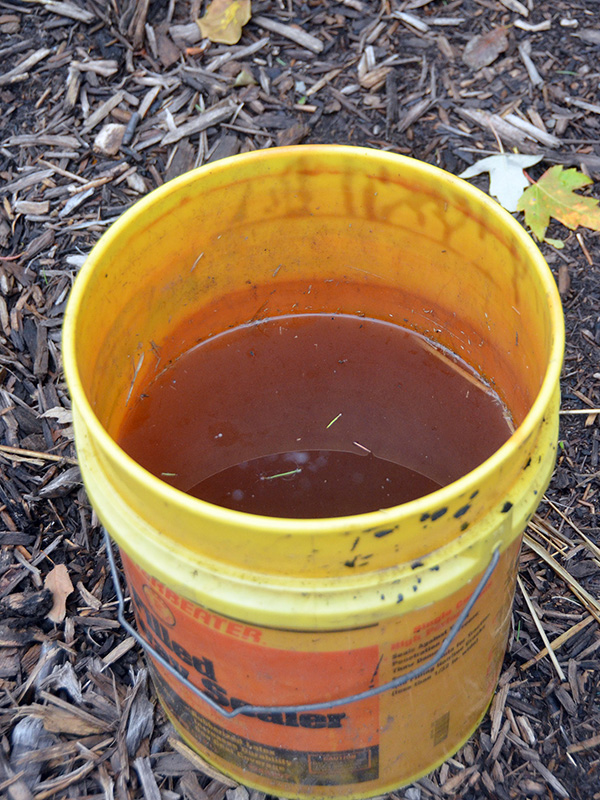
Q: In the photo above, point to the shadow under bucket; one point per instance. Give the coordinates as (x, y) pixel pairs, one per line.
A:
(338, 656)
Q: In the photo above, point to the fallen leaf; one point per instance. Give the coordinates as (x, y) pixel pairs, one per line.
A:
(168, 52)
(481, 51)
(59, 583)
(64, 416)
(224, 19)
(507, 179)
(245, 78)
(554, 196)
(292, 135)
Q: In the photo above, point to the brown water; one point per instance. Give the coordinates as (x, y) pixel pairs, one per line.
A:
(314, 415)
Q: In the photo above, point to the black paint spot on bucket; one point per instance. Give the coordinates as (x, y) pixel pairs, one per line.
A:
(462, 510)
(464, 526)
(351, 563)
(424, 517)
(356, 541)
(416, 564)
(506, 507)
(379, 534)
(528, 464)
(434, 569)
(400, 598)
(475, 493)
(439, 513)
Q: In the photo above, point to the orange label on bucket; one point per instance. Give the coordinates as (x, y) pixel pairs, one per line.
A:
(377, 742)
(236, 664)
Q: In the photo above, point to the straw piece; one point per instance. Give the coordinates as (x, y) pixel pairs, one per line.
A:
(591, 545)
(35, 454)
(559, 641)
(541, 630)
(590, 602)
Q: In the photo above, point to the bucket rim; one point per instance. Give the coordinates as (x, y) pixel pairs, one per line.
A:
(327, 525)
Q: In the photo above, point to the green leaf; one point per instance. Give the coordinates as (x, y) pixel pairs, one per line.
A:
(554, 196)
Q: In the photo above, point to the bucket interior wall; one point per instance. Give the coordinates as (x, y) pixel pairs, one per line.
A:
(460, 277)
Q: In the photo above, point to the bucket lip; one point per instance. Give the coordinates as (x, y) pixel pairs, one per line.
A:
(327, 525)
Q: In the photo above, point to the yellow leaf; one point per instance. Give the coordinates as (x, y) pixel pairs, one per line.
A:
(244, 78)
(224, 19)
(59, 583)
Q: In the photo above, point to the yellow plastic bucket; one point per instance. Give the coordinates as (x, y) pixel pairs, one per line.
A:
(324, 657)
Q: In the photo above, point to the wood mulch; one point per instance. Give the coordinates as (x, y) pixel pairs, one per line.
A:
(102, 102)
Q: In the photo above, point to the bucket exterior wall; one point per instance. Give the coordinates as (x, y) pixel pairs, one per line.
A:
(278, 612)
(360, 749)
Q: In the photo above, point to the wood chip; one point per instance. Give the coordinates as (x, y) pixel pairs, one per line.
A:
(20, 73)
(586, 744)
(119, 651)
(66, 9)
(213, 116)
(104, 67)
(147, 779)
(102, 111)
(497, 710)
(50, 140)
(550, 779)
(525, 51)
(412, 21)
(532, 131)
(292, 32)
(516, 6)
(109, 139)
(509, 134)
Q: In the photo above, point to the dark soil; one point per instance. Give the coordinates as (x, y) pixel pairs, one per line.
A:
(78, 718)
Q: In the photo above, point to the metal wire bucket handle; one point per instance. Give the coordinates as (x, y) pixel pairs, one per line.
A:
(342, 701)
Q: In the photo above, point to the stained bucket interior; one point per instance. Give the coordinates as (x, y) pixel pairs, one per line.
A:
(456, 272)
